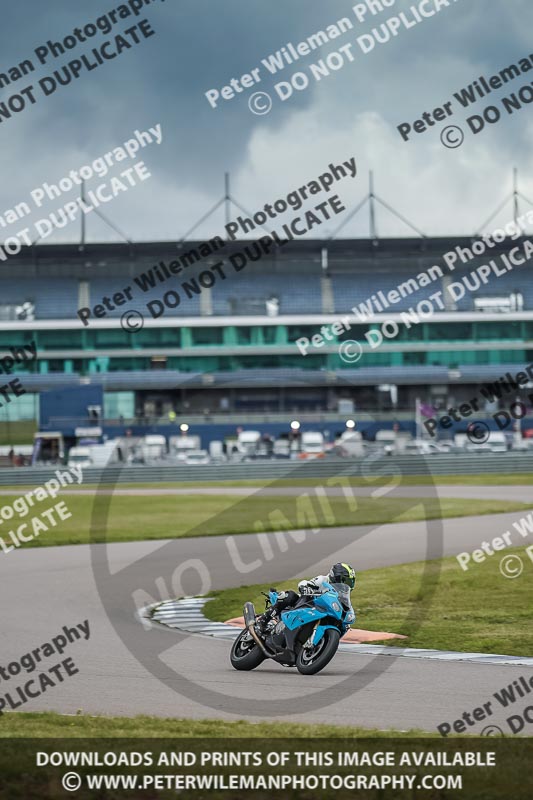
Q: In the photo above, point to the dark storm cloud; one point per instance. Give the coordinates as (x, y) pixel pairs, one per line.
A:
(202, 44)
(199, 43)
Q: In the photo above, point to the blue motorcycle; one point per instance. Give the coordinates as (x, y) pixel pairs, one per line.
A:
(306, 636)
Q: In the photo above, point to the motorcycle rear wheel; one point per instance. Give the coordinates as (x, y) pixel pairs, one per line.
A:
(245, 653)
(309, 661)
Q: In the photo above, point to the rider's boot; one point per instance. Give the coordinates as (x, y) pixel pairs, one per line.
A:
(262, 622)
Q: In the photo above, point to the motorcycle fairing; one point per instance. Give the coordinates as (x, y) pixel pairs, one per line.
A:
(301, 616)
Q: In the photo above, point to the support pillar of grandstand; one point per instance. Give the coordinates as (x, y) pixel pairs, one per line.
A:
(449, 302)
(206, 302)
(328, 299)
(84, 294)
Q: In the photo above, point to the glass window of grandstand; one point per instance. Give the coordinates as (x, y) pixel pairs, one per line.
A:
(119, 404)
(14, 339)
(127, 364)
(259, 400)
(270, 334)
(26, 408)
(155, 337)
(378, 360)
(299, 331)
(61, 340)
(497, 330)
(243, 335)
(415, 333)
(355, 332)
(207, 336)
(56, 365)
(108, 337)
(507, 356)
(473, 357)
(415, 359)
(158, 363)
(449, 331)
(454, 359)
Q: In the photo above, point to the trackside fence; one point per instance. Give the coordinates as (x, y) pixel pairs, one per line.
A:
(468, 464)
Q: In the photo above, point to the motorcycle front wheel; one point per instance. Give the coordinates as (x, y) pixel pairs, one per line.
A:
(311, 660)
(245, 653)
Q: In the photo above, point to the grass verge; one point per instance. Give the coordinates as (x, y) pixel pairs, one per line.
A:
(50, 725)
(475, 611)
(141, 518)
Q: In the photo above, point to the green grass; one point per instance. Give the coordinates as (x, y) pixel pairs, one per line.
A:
(56, 725)
(487, 479)
(474, 611)
(158, 517)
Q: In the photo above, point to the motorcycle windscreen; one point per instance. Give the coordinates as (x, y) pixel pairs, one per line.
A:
(343, 590)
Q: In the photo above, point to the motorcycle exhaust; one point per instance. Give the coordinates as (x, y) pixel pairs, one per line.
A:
(257, 640)
(249, 621)
(249, 614)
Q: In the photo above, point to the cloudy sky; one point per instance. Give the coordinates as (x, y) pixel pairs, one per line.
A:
(201, 44)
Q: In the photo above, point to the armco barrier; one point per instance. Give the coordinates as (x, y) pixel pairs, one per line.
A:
(452, 464)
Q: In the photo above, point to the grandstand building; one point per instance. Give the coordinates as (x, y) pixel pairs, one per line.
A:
(228, 346)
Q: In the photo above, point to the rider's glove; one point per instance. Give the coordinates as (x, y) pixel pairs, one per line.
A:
(308, 587)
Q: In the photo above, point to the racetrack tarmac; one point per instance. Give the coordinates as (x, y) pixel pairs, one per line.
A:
(44, 589)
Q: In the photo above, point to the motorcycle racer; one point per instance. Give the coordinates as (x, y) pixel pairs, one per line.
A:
(339, 573)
